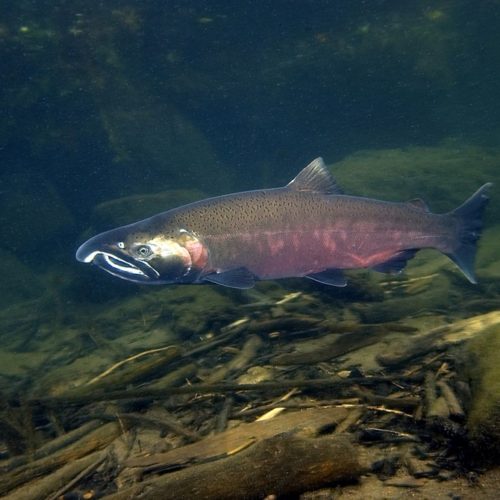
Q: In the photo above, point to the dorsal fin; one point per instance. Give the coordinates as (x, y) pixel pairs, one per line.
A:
(419, 203)
(315, 177)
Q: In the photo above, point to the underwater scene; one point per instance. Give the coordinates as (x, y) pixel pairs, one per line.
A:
(314, 188)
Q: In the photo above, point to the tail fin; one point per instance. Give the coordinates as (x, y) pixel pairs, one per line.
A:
(469, 216)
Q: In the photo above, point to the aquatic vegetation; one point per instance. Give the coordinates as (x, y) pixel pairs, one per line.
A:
(482, 367)
(424, 171)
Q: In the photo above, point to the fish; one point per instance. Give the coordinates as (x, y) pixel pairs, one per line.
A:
(308, 228)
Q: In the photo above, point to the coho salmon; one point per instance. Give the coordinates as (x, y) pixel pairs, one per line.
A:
(307, 228)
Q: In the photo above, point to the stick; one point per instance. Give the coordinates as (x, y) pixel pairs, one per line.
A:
(52, 446)
(127, 360)
(245, 412)
(60, 480)
(223, 416)
(101, 456)
(221, 387)
(166, 422)
(247, 353)
(97, 439)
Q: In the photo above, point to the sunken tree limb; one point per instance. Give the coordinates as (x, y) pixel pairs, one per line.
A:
(280, 465)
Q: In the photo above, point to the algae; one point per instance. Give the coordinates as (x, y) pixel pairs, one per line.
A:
(425, 172)
(483, 370)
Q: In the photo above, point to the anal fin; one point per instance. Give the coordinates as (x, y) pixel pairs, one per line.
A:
(396, 263)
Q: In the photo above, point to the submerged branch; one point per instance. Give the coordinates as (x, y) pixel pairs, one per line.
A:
(222, 387)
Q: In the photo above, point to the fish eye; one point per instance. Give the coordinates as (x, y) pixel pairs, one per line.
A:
(120, 244)
(143, 251)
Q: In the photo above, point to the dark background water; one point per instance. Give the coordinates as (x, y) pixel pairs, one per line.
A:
(103, 99)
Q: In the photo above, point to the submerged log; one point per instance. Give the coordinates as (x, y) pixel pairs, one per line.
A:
(329, 347)
(438, 339)
(220, 387)
(241, 360)
(175, 378)
(237, 438)
(130, 370)
(97, 439)
(52, 446)
(280, 465)
(50, 485)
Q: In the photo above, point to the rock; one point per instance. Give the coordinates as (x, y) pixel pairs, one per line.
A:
(257, 374)
(483, 370)
(425, 172)
(488, 262)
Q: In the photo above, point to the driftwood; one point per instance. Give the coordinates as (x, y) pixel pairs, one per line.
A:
(438, 339)
(175, 378)
(440, 400)
(451, 399)
(169, 350)
(330, 347)
(279, 465)
(223, 416)
(129, 372)
(402, 307)
(286, 454)
(95, 440)
(52, 446)
(286, 323)
(225, 443)
(391, 402)
(52, 485)
(264, 387)
(242, 359)
(299, 405)
(404, 351)
(161, 420)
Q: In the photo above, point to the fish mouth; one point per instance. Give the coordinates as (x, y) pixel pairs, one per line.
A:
(121, 266)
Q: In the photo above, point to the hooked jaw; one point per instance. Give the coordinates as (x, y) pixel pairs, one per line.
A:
(118, 263)
(154, 260)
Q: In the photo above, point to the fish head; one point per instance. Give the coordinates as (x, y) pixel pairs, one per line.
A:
(135, 253)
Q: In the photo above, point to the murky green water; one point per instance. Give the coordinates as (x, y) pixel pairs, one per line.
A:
(114, 111)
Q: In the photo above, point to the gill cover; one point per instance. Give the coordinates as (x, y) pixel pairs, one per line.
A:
(132, 254)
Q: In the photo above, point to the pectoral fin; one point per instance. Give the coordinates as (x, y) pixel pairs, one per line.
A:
(332, 277)
(240, 277)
